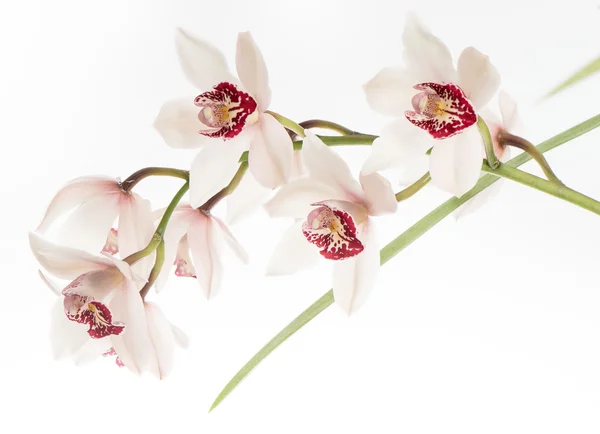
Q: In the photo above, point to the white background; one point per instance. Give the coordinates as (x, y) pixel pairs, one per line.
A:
(485, 325)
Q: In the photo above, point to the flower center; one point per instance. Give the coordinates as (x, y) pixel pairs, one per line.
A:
(225, 110)
(333, 231)
(442, 110)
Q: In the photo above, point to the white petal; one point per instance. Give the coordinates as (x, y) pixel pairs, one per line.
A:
(161, 336)
(221, 231)
(205, 256)
(293, 253)
(53, 286)
(398, 145)
(358, 213)
(245, 199)
(91, 350)
(87, 227)
(511, 120)
(390, 91)
(298, 169)
(133, 345)
(177, 123)
(65, 262)
(478, 78)
(176, 229)
(252, 70)
(180, 337)
(325, 166)
(66, 337)
(213, 168)
(295, 199)
(426, 55)
(354, 278)
(455, 163)
(74, 193)
(136, 226)
(202, 63)
(97, 284)
(379, 194)
(271, 153)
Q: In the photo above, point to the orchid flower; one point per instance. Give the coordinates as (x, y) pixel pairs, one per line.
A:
(202, 234)
(441, 113)
(510, 122)
(227, 118)
(336, 213)
(103, 300)
(94, 203)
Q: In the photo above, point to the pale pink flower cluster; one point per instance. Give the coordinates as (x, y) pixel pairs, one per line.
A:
(97, 223)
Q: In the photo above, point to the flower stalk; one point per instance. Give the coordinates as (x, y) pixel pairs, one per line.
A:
(137, 176)
(226, 191)
(484, 131)
(158, 264)
(414, 188)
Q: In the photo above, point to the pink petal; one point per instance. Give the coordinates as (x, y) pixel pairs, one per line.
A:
(136, 227)
(252, 70)
(176, 230)
(75, 193)
(203, 64)
(425, 55)
(379, 195)
(133, 347)
(97, 284)
(183, 261)
(65, 262)
(177, 123)
(293, 253)
(246, 198)
(205, 256)
(455, 163)
(221, 231)
(271, 153)
(511, 120)
(66, 337)
(327, 167)
(390, 91)
(295, 199)
(214, 166)
(354, 278)
(161, 337)
(478, 78)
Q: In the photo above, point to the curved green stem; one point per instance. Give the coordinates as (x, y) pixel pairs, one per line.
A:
(160, 229)
(484, 131)
(557, 190)
(158, 264)
(137, 176)
(226, 191)
(327, 125)
(396, 246)
(508, 139)
(414, 188)
(287, 123)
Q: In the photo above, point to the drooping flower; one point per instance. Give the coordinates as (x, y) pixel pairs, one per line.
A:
(193, 243)
(91, 205)
(510, 122)
(103, 299)
(227, 118)
(436, 105)
(334, 222)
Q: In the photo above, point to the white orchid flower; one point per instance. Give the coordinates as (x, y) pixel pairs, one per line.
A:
(194, 231)
(226, 119)
(445, 106)
(103, 300)
(335, 212)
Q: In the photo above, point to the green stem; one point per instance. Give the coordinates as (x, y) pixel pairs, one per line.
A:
(287, 123)
(396, 246)
(136, 177)
(226, 191)
(414, 188)
(508, 139)
(158, 264)
(484, 131)
(327, 125)
(557, 190)
(160, 229)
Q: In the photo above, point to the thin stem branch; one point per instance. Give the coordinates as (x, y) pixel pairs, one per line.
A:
(557, 190)
(137, 176)
(508, 139)
(327, 125)
(158, 264)
(414, 188)
(160, 229)
(484, 131)
(287, 123)
(226, 191)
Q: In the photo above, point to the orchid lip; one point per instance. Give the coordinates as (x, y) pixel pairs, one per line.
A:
(442, 110)
(226, 110)
(333, 231)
